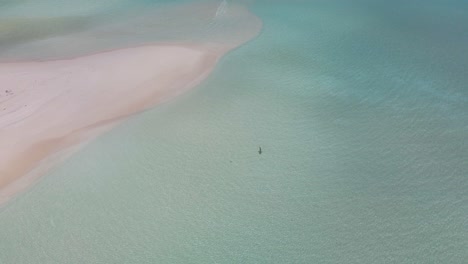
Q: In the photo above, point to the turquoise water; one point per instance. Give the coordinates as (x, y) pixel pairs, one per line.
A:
(361, 110)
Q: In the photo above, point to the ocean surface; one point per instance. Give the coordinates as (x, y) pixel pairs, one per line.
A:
(360, 108)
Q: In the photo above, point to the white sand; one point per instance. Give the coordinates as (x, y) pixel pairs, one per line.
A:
(49, 107)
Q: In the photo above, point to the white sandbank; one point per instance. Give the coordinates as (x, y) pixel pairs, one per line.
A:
(47, 108)
(50, 104)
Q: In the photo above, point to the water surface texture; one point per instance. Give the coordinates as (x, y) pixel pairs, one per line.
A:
(361, 110)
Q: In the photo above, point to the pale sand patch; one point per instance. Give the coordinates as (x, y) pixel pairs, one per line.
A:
(204, 21)
(48, 107)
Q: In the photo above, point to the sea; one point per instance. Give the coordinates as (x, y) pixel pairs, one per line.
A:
(360, 108)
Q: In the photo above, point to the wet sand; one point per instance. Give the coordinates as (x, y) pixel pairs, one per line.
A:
(49, 108)
(52, 103)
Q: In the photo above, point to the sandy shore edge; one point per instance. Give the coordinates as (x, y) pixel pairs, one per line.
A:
(49, 109)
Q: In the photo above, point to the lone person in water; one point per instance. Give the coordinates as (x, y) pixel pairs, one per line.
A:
(260, 150)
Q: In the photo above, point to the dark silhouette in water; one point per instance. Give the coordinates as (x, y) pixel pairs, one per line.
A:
(260, 150)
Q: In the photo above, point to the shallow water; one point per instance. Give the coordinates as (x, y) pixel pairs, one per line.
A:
(361, 111)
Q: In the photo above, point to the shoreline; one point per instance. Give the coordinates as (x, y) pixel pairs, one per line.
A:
(54, 107)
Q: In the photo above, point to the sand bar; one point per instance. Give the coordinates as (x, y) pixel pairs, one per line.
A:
(48, 107)
(51, 103)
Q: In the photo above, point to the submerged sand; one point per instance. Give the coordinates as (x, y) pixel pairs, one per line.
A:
(48, 109)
